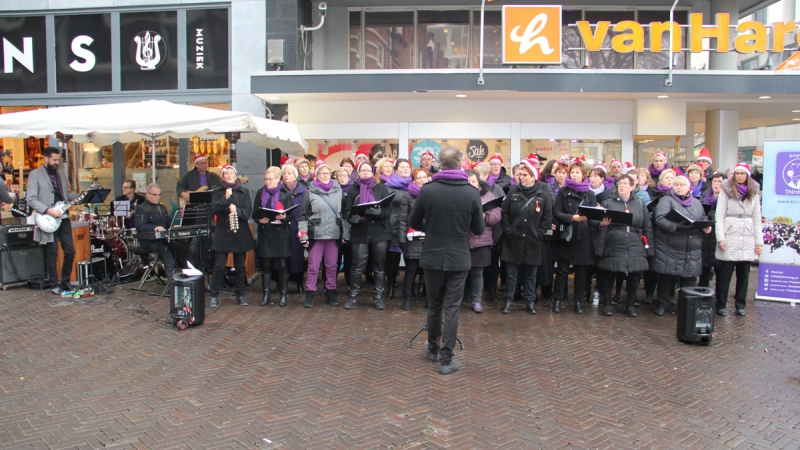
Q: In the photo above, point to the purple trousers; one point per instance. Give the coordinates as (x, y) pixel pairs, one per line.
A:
(328, 249)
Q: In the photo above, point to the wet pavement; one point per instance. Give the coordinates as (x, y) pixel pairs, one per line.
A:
(109, 372)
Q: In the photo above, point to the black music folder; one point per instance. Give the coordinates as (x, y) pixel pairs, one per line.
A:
(676, 216)
(651, 207)
(493, 203)
(271, 214)
(200, 197)
(595, 213)
(360, 210)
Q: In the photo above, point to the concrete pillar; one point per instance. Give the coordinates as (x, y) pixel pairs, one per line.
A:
(724, 61)
(687, 140)
(789, 10)
(627, 149)
(722, 137)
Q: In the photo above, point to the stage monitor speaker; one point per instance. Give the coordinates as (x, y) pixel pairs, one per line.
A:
(21, 264)
(187, 300)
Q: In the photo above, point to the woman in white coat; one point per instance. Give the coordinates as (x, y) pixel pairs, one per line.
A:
(739, 235)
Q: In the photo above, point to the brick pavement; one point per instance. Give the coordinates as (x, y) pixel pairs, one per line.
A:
(98, 375)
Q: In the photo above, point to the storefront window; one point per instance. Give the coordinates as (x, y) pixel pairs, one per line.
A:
(333, 151)
(475, 150)
(443, 39)
(593, 149)
(492, 39)
(389, 40)
(609, 59)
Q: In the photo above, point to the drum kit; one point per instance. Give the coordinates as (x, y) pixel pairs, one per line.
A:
(110, 239)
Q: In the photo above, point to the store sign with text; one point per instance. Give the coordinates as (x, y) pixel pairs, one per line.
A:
(532, 35)
(148, 48)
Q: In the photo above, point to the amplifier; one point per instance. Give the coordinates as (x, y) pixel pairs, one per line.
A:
(17, 235)
(21, 264)
(187, 300)
(91, 271)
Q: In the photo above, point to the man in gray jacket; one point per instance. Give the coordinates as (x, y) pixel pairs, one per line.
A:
(47, 186)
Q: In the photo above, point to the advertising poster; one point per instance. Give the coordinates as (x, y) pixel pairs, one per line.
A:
(779, 264)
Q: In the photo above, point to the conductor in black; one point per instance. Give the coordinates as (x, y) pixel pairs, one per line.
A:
(447, 210)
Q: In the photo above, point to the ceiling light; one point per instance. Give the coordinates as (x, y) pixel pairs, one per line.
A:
(764, 97)
(796, 111)
(274, 98)
(663, 96)
(552, 140)
(461, 95)
(796, 118)
(574, 140)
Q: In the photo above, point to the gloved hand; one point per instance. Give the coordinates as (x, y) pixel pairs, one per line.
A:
(374, 211)
(354, 219)
(304, 239)
(683, 227)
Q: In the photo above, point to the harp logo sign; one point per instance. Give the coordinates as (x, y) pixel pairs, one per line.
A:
(531, 34)
(148, 50)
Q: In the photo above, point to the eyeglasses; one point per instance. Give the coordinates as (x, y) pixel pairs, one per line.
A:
(126, 187)
(154, 195)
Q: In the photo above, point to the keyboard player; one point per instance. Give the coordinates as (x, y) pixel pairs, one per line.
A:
(151, 216)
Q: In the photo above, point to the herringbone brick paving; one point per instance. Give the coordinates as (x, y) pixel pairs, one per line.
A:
(96, 375)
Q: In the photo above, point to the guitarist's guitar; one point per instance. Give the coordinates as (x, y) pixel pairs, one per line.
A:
(50, 224)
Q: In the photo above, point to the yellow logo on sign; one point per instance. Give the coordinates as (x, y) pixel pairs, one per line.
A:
(531, 34)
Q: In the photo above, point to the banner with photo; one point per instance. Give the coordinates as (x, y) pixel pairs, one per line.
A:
(779, 264)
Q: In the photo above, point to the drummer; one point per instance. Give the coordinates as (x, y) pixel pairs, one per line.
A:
(196, 178)
(129, 194)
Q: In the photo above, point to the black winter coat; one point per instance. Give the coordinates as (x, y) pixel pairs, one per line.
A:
(225, 240)
(375, 228)
(524, 227)
(447, 211)
(504, 181)
(678, 253)
(710, 242)
(414, 246)
(394, 215)
(275, 239)
(580, 249)
(619, 247)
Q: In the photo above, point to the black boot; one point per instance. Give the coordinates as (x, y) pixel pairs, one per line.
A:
(493, 295)
(265, 281)
(406, 304)
(607, 308)
(390, 294)
(309, 299)
(578, 307)
(532, 308)
(355, 288)
(331, 295)
(284, 283)
(241, 301)
(301, 288)
(377, 291)
(507, 307)
(631, 300)
(556, 306)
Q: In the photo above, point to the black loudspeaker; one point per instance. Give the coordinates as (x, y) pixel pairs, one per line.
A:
(21, 264)
(187, 302)
(696, 315)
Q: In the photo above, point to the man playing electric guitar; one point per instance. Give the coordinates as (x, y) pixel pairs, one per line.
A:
(47, 186)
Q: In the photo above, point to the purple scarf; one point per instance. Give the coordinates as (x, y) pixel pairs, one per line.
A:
(492, 178)
(413, 189)
(742, 188)
(709, 198)
(397, 182)
(271, 196)
(581, 187)
(513, 182)
(657, 173)
(383, 178)
(697, 191)
(663, 189)
(236, 185)
(325, 187)
(450, 174)
(306, 179)
(609, 182)
(346, 187)
(550, 180)
(685, 201)
(365, 187)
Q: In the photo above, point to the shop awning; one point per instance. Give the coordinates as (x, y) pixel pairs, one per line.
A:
(131, 122)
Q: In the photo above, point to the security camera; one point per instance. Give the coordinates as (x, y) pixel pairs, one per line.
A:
(323, 9)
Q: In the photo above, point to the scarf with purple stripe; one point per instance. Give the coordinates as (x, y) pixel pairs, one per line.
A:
(709, 198)
(397, 182)
(324, 186)
(450, 174)
(492, 178)
(697, 191)
(365, 190)
(346, 187)
(269, 197)
(742, 188)
(609, 182)
(684, 200)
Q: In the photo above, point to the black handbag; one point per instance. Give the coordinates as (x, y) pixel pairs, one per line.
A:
(563, 232)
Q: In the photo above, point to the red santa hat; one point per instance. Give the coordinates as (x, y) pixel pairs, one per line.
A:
(533, 164)
(496, 158)
(628, 167)
(199, 157)
(743, 167)
(660, 153)
(318, 164)
(533, 157)
(426, 155)
(601, 165)
(705, 155)
(617, 162)
(362, 153)
(285, 159)
(228, 166)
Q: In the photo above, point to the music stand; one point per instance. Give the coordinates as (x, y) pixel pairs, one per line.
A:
(95, 196)
(425, 328)
(200, 197)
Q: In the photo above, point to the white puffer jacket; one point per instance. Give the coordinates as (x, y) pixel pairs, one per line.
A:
(738, 224)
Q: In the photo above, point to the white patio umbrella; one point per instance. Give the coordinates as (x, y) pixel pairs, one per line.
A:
(154, 119)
